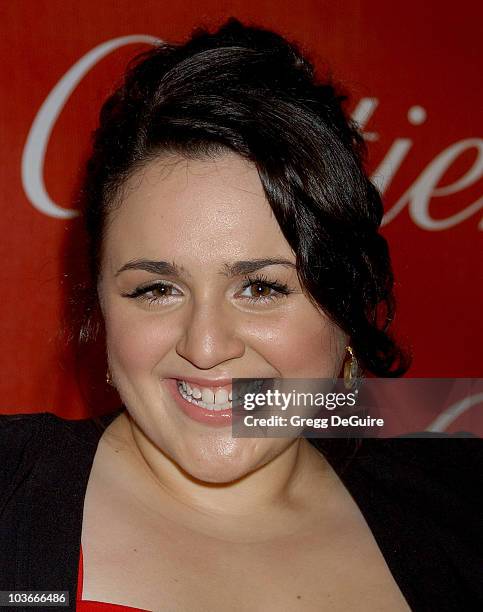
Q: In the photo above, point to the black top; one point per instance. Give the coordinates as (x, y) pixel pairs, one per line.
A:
(420, 497)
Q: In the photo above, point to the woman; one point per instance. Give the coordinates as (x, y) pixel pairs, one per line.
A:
(233, 234)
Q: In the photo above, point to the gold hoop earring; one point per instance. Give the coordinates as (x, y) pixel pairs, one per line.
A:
(109, 378)
(351, 370)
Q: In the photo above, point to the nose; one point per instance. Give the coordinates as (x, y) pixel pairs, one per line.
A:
(209, 337)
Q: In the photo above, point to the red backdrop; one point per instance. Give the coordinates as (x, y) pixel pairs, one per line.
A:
(415, 80)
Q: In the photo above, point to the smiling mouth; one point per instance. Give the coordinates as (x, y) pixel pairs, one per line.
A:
(205, 397)
(216, 399)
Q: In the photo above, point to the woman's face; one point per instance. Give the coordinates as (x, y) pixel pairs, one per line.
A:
(178, 258)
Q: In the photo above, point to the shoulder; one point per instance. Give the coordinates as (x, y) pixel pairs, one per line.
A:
(439, 473)
(18, 432)
(420, 498)
(430, 484)
(17, 428)
(15, 425)
(20, 436)
(450, 458)
(29, 441)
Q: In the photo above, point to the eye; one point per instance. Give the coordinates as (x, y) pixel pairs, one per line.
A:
(261, 290)
(155, 293)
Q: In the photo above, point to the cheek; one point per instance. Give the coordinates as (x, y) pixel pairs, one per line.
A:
(136, 344)
(320, 347)
(304, 344)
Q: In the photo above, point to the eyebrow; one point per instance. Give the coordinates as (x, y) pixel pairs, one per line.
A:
(236, 268)
(252, 265)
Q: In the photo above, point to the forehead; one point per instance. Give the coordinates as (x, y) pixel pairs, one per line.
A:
(195, 209)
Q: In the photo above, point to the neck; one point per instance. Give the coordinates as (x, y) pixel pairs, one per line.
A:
(285, 481)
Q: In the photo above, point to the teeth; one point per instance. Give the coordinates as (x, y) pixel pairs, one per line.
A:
(221, 396)
(207, 406)
(220, 399)
(207, 396)
(208, 400)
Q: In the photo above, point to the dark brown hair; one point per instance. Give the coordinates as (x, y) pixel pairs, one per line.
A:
(250, 91)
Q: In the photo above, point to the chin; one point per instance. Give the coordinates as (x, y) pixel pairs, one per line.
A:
(219, 475)
(218, 468)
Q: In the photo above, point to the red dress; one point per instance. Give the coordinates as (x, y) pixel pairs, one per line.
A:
(86, 605)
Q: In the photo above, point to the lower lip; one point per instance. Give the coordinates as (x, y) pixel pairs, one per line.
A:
(214, 418)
